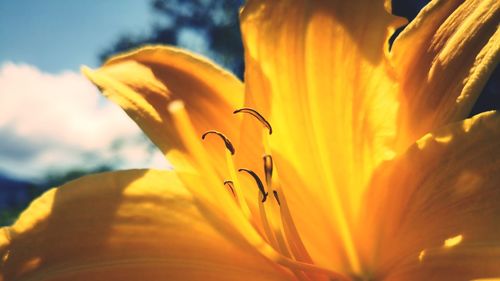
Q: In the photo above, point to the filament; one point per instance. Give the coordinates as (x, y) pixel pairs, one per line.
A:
(257, 181)
(231, 187)
(235, 183)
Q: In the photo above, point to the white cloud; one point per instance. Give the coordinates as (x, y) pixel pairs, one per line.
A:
(58, 122)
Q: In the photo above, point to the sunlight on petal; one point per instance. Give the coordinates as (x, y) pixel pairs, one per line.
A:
(453, 241)
(336, 159)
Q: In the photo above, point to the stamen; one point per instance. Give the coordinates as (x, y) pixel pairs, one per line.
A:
(268, 169)
(231, 187)
(274, 208)
(296, 245)
(235, 185)
(275, 193)
(269, 218)
(227, 143)
(258, 181)
(257, 115)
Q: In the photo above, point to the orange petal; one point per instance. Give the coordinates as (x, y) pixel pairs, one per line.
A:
(316, 70)
(129, 225)
(145, 81)
(434, 211)
(443, 60)
(467, 263)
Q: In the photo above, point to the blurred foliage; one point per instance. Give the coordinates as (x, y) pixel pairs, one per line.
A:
(57, 179)
(214, 20)
(10, 214)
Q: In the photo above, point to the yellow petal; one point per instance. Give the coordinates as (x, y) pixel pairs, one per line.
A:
(129, 225)
(443, 60)
(145, 81)
(317, 71)
(434, 211)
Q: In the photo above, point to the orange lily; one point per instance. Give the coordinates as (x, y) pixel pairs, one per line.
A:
(369, 173)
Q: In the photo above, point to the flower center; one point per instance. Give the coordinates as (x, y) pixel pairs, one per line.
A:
(273, 220)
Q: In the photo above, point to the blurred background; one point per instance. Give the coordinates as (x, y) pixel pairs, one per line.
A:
(55, 126)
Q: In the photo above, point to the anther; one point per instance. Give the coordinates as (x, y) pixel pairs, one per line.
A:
(275, 193)
(258, 181)
(257, 115)
(230, 184)
(268, 169)
(227, 143)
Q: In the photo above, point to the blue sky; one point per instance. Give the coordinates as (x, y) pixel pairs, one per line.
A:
(57, 35)
(52, 119)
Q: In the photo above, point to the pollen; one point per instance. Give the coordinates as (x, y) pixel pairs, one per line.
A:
(227, 142)
(257, 181)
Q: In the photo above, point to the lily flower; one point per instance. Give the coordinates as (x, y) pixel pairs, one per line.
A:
(336, 159)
